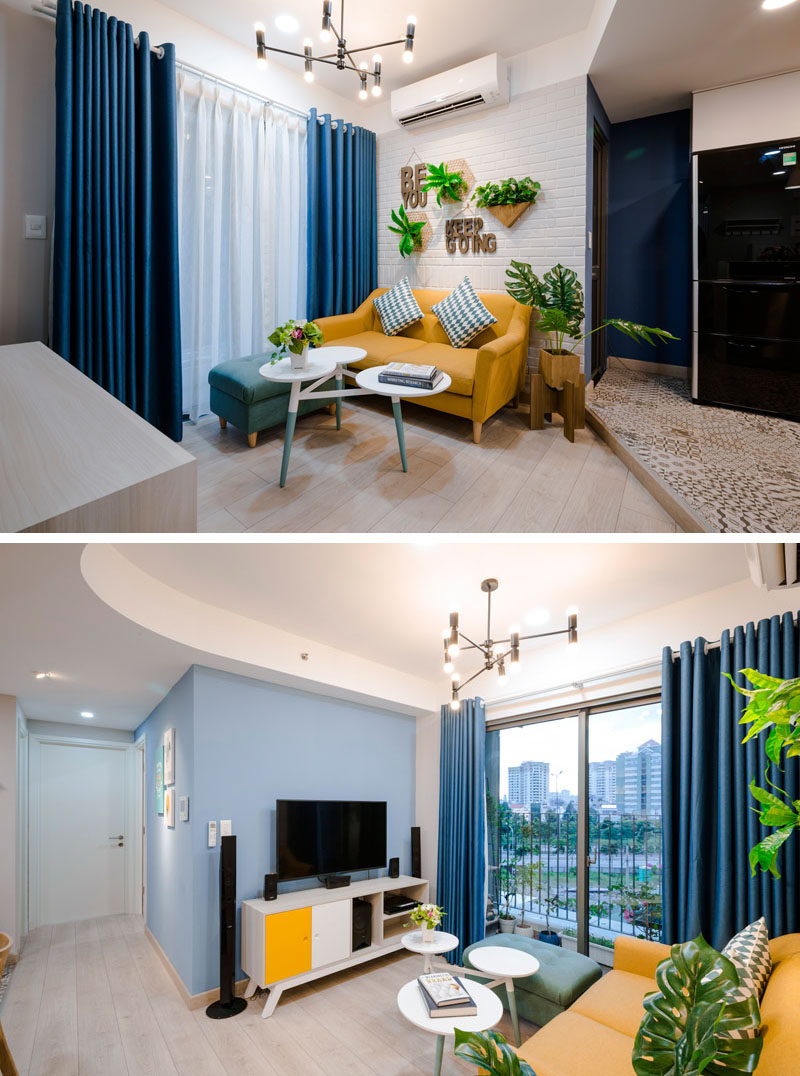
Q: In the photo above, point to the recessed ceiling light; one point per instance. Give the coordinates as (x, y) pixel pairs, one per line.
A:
(773, 5)
(287, 24)
(87, 714)
(536, 617)
(42, 675)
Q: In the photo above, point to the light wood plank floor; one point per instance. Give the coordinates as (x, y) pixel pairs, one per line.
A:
(516, 480)
(93, 998)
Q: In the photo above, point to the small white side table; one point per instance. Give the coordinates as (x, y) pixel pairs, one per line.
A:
(414, 1009)
(442, 942)
(503, 965)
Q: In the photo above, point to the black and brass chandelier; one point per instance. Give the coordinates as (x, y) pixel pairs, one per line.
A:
(500, 654)
(344, 56)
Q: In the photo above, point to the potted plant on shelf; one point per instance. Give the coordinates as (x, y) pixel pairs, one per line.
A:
(528, 878)
(450, 186)
(489, 1052)
(508, 887)
(410, 232)
(693, 1023)
(427, 917)
(295, 337)
(508, 199)
(558, 297)
(552, 905)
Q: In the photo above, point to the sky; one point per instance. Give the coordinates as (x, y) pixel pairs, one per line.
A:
(556, 742)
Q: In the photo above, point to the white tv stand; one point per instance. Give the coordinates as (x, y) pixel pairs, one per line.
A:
(307, 934)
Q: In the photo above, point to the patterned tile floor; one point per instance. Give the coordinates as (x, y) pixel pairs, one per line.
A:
(737, 472)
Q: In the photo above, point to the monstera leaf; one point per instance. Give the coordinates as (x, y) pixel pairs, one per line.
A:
(640, 333)
(490, 1052)
(688, 1024)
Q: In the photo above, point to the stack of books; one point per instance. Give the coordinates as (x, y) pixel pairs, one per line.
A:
(410, 376)
(446, 996)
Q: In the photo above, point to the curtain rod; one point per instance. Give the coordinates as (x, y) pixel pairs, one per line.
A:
(46, 7)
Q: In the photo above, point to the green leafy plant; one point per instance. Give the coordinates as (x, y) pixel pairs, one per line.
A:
(508, 887)
(447, 184)
(507, 192)
(528, 879)
(408, 230)
(294, 336)
(775, 705)
(489, 1051)
(641, 907)
(427, 915)
(558, 297)
(552, 906)
(689, 1022)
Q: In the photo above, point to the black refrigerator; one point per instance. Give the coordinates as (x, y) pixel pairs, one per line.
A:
(746, 345)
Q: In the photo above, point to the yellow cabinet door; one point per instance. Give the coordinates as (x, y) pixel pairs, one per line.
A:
(287, 937)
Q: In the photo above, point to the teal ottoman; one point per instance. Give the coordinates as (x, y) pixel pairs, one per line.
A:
(561, 979)
(241, 396)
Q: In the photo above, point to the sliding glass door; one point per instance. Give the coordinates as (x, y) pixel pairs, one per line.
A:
(574, 824)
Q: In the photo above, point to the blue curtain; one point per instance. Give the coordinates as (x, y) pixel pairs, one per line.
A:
(708, 820)
(461, 879)
(342, 216)
(116, 312)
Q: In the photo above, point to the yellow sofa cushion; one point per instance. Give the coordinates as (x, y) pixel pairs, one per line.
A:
(780, 1027)
(616, 1001)
(380, 348)
(573, 1045)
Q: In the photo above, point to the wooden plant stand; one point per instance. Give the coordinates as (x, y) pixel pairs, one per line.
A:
(559, 385)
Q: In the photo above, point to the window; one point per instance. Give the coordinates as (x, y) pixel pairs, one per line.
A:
(574, 834)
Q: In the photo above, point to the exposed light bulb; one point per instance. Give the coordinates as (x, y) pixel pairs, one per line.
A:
(259, 28)
(377, 59)
(261, 63)
(376, 91)
(309, 76)
(308, 43)
(363, 95)
(452, 650)
(408, 56)
(324, 35)
(572, 610)
(448, 667)
(412, 20)
(455, 705)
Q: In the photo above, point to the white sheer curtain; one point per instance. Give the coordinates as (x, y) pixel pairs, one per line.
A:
(242, 210)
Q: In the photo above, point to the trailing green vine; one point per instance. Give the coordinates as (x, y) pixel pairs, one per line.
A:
(507, 192)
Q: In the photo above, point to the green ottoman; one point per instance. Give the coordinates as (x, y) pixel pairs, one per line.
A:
(561, 979)
(241, 396)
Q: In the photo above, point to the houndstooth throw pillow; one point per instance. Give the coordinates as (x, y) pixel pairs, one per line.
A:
(748, 951)
(398, 308)
(462, 314)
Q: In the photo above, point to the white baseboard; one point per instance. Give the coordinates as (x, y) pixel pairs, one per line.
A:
(192, 1001)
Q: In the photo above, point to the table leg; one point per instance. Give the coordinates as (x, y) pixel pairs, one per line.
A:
(339, 386)
(428, 968)
(512, 1008)
(291, 419)
(437, 1068)
(401, 437)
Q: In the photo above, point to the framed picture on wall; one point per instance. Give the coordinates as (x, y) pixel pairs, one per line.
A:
(160, 780)
(169, 807)
(169, 757)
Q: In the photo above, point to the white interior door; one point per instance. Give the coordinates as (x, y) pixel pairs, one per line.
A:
(82, 816)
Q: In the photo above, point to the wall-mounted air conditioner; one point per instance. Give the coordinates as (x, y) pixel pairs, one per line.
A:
(469, 88)
(773, 566)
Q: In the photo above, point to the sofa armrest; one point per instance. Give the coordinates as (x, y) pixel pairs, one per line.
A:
(499, 370)
(638, 956)
(340, 325)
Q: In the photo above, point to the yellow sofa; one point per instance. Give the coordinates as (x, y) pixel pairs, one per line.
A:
(595, 1035)
(486, 376)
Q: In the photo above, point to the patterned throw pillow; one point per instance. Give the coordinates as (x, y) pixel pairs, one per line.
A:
(398, 308)
(462, 314)
(748, 951)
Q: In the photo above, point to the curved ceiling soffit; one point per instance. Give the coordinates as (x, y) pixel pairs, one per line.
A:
(234, 643)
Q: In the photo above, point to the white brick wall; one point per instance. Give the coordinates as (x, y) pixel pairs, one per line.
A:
(541, 134)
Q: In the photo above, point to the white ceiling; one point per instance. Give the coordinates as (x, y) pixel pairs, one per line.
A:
(654, 54)
(448, 34)
(384, 602)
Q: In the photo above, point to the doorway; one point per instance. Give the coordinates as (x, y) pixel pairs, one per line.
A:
(84, 857)
(599, 248)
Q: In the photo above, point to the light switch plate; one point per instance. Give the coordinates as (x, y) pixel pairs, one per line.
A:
(225, 827)
(212, 834)
(35, 226)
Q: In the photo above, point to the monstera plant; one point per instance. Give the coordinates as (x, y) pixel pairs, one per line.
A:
(691, 1023)
(773, 705)
(558, 297)
(489, 1052)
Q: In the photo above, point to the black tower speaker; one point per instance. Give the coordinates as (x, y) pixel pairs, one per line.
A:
(228, 1005)
(270, 887)
(416, 854)
(394, 868)
(362, 924)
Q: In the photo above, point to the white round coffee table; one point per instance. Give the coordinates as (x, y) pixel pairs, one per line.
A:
(503, 965)
(414, 1009)
(441, 942)
(368, 381)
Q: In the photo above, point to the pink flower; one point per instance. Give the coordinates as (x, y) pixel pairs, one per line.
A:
(297, 334)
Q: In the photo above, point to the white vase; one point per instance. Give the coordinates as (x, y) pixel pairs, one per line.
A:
(428, 935)
(299, 362)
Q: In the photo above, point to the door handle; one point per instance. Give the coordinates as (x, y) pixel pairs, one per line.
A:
(120, 838)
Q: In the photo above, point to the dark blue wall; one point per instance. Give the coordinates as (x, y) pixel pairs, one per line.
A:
(649, 233)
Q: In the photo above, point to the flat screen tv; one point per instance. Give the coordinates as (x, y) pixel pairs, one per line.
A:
(319, 837)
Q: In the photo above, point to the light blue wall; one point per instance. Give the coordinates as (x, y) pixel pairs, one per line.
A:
(170, 880)
(255, 743)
